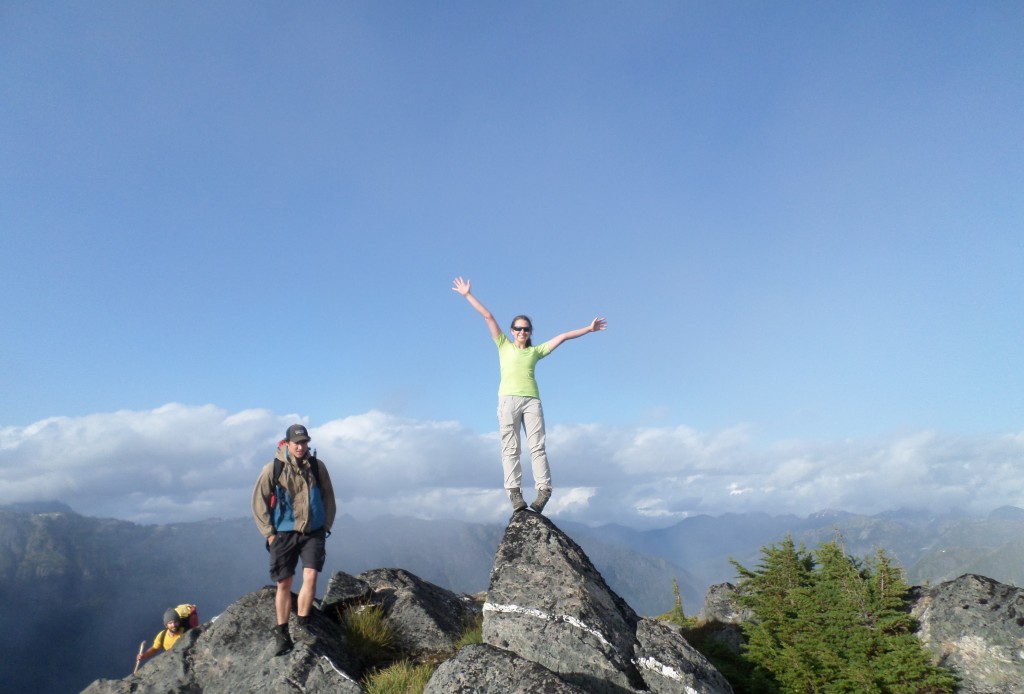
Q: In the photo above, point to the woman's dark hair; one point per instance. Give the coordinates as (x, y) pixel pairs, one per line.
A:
(529, 340)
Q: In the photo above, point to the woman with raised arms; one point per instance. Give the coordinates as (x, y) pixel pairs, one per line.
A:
(519, 406)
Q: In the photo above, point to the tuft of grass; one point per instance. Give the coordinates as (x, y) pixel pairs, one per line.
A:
(474, 633)
(370, 637)
(679, 619)
(402, 677)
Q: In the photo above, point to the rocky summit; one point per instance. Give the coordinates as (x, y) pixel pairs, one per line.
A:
(550, 624)
(234, 653)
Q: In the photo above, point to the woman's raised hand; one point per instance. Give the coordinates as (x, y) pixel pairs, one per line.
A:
(461, 286)
(598, 324)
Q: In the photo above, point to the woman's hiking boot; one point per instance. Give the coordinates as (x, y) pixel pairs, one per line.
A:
(541, 501)
(282, 640)
(516, 497)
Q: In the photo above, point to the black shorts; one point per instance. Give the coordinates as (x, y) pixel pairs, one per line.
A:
(288, 547)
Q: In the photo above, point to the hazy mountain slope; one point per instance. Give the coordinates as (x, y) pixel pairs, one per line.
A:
(931, 548)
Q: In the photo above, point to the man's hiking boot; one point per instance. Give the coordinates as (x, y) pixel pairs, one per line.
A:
(541, 501)
(302, 631)
(516, 497)
(282, 641)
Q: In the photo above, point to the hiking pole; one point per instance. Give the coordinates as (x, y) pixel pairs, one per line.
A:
(142, 647)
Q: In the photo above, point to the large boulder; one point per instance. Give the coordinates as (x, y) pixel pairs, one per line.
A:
(427, 620)
(975, 626)
(548, 604)
(235, 653)
(670, 664)
(483, 669)
(721, 605)
(722, 616)
(344, 589)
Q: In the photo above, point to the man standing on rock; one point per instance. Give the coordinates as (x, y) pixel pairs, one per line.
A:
(293, 504)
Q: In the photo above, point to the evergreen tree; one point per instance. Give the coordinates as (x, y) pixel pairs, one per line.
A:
(777, 592)
(826, 622)
(904, 667)
(676, 615)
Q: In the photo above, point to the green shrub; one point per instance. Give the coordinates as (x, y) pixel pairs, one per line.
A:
(402, 677)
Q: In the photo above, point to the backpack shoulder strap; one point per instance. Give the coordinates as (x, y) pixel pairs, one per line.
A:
(314, 465)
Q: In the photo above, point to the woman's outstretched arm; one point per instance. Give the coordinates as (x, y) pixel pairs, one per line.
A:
(595, 325)
(462, 287)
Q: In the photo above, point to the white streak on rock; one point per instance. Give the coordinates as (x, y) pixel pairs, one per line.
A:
(335, 668)
(664, 670)
(660, 668)
(538, 614)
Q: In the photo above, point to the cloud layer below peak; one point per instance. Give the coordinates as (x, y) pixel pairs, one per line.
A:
(188, 463)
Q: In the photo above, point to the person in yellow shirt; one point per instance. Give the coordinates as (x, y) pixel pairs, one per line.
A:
(176, 625)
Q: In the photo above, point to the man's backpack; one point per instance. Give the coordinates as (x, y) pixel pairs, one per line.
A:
(314, 466)
(188, 616)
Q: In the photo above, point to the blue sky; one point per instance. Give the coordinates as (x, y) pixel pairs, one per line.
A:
(803, 222)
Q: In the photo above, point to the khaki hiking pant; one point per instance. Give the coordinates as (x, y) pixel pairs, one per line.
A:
(515, 412)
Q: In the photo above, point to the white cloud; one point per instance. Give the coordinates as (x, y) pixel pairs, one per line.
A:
(379, 453)
(180, 462)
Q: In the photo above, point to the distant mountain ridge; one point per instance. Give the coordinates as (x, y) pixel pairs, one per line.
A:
(37, 507)
(932, 548)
